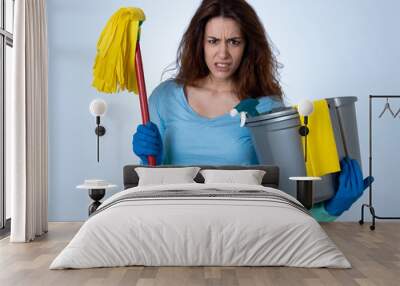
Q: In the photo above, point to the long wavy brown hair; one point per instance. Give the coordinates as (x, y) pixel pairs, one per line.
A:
(257, 74)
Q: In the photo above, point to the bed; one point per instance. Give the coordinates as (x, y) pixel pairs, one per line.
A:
(201, 224)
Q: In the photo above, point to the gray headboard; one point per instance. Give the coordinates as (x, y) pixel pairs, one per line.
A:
(270, 179)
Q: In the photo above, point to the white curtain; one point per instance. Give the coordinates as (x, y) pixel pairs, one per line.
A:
(27, 123)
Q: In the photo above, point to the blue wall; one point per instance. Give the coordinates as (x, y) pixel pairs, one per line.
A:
(328, 49)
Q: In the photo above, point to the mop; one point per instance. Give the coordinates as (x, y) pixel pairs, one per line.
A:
(118, 64)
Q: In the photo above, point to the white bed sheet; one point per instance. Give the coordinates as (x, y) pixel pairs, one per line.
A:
(200, 231)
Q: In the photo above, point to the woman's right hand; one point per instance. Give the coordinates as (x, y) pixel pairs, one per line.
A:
(147, 142)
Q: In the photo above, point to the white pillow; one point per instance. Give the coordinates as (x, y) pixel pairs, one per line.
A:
(162, 176)
(248, 177)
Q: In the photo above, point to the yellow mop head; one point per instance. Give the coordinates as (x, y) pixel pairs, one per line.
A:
(114, 67)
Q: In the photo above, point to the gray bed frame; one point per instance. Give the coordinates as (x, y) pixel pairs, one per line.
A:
(270, 179)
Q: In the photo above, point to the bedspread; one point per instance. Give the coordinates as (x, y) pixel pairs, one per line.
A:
(201, 224)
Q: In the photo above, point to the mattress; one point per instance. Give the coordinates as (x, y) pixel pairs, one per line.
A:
(201, 225)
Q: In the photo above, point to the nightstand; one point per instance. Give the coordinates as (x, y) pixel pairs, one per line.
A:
(97, 190)
(304, 193)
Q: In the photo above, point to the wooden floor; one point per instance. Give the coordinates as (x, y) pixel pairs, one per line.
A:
(374, 255)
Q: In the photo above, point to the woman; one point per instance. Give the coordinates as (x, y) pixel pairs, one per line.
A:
(223, 58)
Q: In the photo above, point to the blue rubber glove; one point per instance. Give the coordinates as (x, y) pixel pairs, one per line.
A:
(147, 142)
(351, 187)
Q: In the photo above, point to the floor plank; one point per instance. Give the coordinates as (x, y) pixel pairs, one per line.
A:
(374, 255)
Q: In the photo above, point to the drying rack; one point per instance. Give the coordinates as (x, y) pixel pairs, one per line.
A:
(369, 205)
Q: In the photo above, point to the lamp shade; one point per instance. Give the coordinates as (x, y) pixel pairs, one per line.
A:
(305, 108)
(98, 107)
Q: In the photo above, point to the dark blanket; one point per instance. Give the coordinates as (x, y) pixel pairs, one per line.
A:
(203, 194)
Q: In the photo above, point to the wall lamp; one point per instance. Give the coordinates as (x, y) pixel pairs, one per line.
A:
(98, 108)
(305, 108)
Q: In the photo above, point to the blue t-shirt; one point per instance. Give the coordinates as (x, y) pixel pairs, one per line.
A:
(190, 138)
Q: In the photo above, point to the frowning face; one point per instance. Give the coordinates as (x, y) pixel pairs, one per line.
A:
(223, 47)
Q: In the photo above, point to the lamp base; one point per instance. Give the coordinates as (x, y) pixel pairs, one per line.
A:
(100, 130)
(303, 130)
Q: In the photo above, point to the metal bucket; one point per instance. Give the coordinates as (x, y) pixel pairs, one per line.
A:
(277, 142)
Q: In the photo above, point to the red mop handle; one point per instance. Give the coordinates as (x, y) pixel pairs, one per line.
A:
(142, 94)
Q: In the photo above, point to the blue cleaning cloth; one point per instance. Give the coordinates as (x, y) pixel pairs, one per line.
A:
(351, 186)
(248, 106)
(147, 142)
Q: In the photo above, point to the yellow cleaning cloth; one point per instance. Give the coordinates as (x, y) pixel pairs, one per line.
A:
(322, 155)
(114, 67)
